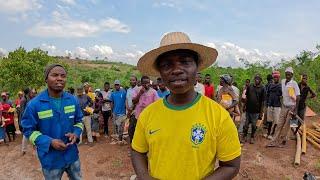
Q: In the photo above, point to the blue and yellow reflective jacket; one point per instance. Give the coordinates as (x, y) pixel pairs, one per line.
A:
(42, 122)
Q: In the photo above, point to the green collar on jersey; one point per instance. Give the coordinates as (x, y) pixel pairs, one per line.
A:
(180, 108)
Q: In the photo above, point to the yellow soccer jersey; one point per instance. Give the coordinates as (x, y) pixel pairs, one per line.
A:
(184, 142)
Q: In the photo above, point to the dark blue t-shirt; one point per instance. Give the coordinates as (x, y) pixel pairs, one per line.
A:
(163, 94)
(119, 102)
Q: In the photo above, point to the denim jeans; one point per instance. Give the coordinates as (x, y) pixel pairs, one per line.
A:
(73, 170)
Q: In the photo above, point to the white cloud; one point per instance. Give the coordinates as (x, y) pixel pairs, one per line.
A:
(114, 25)
(101, 51)
(48, 47)
(3, 52)
(70, 2)
(81, 52)
(92, 52)
(230, 55)
(130, 55)
(63, 26)
(19, 6)
(212, 45)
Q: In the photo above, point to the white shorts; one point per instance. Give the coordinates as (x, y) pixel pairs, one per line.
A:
(273, 114)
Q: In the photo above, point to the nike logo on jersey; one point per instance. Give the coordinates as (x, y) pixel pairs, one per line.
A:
(154, 131)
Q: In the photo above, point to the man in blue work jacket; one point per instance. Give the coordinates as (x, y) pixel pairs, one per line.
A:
(52, 122)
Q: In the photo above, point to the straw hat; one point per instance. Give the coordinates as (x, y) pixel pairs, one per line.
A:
(173, 41)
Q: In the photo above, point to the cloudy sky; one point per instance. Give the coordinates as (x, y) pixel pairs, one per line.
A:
(124, 30)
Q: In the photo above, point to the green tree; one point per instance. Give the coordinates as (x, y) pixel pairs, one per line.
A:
(23, 69)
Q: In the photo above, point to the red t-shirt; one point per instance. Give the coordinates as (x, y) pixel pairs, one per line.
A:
(209, 90)
(7, 115)
(18, 102)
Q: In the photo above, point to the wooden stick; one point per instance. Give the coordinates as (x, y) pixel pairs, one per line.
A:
(304, 139)
(317, 127)
(313, 143)
(313, 137)
(298, 151)
(314, 132)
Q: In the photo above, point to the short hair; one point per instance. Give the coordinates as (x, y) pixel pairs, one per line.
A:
(26, 91)
(188, 52)
(80, 88)
(134, 76)
(269, 77)
(144, 77)
(106, 83)
(248, 80)
(208, 75)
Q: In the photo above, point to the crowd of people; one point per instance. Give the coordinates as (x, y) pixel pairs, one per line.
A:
(55, 121)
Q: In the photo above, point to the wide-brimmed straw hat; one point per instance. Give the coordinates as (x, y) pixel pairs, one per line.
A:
(174, 41)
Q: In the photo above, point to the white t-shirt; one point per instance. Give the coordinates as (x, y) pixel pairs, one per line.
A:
(199, 88)
(290, 91)
(130, 93)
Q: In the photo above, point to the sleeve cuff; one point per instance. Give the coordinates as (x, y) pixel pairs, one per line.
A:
(43, 143)
(77, 131)
(138, 149)
(231, 156)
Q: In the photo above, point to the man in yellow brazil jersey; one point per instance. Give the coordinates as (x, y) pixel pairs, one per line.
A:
(182, 135)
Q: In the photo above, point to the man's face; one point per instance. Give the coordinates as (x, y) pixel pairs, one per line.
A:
(79, 92)
(198, 78)
(221, 82)
(276, 79)
(133, 81)
(247, 83)
(289, 76)
(86, 88)
(207, 79)
(106, 87)
(154, 85)
(178, 72)
(117, 87)
(145, 83)
(257, 81)
(304, 80)
(162, 86)
(57, 79)
(4, 97)
(32, 93)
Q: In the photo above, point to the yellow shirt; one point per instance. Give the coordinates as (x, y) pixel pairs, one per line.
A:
(184, 142)
(91, 95)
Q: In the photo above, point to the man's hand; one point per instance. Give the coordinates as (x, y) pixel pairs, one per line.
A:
(58, 145)
(142, 90)
(72, 138)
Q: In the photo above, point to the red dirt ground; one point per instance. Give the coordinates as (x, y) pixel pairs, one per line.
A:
(105, 161)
